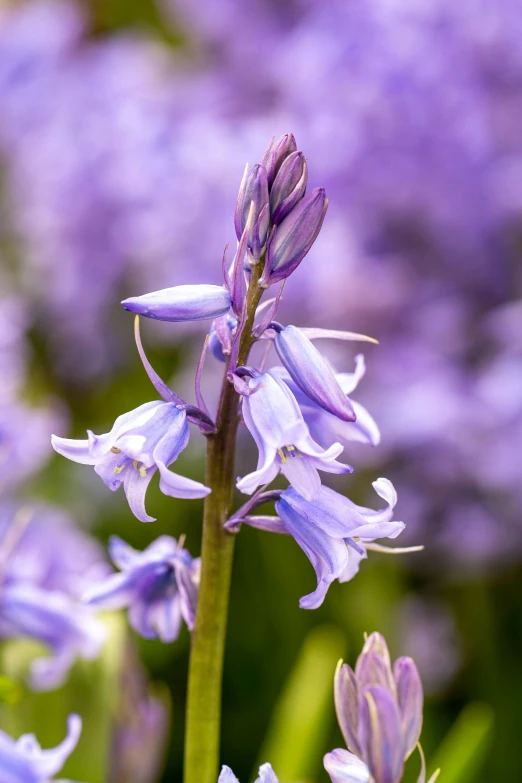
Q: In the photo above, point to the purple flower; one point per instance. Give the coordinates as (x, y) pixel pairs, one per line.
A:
(253, 193)
(325, 427)
(181, 303)
(24, 761)
(311, 372)
(159, 586)
(289, 186)
(221, 333)
(67, 628)
(276, 423)
(276, 153)
(334, 532)
(293, 238)
(142, 441)
(379, 709)
(266, 775)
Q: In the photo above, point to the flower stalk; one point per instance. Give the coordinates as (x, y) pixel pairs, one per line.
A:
(203, 720)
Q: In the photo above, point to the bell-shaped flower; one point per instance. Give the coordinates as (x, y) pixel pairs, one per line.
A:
(272, 415)
(324, 426)
(65, 626)
(266, 775)
(379, 709)
(24, 761)
(181, 303)
(311, 372)
(158, 586)
(334, 532)
(142, 441)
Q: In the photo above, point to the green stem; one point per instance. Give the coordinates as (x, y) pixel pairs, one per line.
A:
(203, 724)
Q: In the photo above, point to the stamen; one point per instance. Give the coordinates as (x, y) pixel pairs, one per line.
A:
(115, 450)
(284, 458)
(143, 471)
(119, 468)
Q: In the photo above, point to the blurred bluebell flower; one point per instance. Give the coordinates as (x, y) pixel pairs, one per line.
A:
(181, 303)
(266, 775)
(67, 628)
(142, 441)
(311, 372)
(335, 533)
(276, 423)
(159, 586)
(379, 709)
(324, 426)
(24, 761)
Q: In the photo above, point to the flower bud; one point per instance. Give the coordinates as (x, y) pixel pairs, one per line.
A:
(276, 153)
(254, 188)
(294, 237)
(181, 303)
(310, 371)
(289, 186)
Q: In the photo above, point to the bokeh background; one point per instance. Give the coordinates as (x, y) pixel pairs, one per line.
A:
(124, 129)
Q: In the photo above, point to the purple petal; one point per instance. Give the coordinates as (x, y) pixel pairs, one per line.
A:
(266, 774)
(176, 486)
(344, 767)
(122, 555)
(182, 303)
(410, 697)
(48, 763)
(380, 735)
(165, 617)
(135, 485)
(227, 776)
(302, 475)
(346, 695)
(312, 373)
(75, 450)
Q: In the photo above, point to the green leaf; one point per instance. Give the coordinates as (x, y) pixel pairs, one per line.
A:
(304, 713)
(463, 750)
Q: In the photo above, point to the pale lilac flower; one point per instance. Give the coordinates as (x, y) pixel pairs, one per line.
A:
(379, 709)
(266, 775)
(272, 415)
(67, 628)
(181, 303)
(24, 761)
(142, 441)
(325, 427)
(158, 586)
(311, 372)
(334, 532)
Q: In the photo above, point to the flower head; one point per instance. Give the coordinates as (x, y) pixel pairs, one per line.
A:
(334, 532)
(379, 709)
(24, 761)
(158, 586)
(66, 627)
(142, 441)
(276, 423)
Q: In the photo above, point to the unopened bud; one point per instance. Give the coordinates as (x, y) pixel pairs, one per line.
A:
(253, 190)
(276, 153)
(289, 186)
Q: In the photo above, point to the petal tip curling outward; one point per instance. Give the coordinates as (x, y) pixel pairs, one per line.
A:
(181, 303)
(227, 776)
(344, 767)
(177, 486)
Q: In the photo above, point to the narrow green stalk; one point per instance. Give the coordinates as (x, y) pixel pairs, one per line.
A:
(203, 721)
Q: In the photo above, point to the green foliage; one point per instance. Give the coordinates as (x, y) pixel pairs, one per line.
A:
(464, 749)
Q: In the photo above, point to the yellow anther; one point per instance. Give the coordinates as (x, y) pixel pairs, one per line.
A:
(143, 471)
(119, 468)
(290, 448)
(284, 458)
(136, 464)
(115, 450)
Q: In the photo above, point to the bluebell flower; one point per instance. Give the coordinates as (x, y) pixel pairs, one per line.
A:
(379, 709)
(266, 775)
(221, 334)
(67, 628)
(289, 186)
(276, 153)
(272, 415)
(335, 533)
(142, 441)
(24, 761)
(253, 193)
(158, 586)
(311, 372)
(181, 303)
(326, 427)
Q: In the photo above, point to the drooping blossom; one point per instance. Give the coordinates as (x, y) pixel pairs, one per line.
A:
(379, 709)
(273, 417)
(146, 439)
(158, 586)
(24, 761)
(181, 303)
